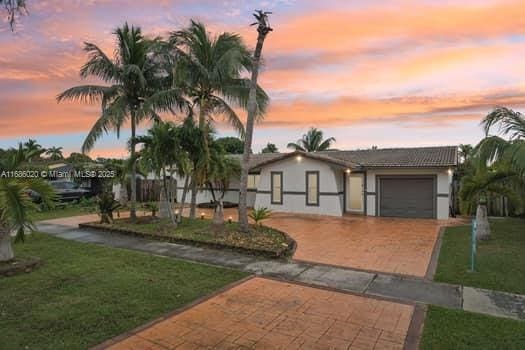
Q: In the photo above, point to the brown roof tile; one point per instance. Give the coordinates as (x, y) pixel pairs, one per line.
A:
(427, 157)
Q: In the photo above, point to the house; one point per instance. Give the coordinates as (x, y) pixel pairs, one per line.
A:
(394, 182)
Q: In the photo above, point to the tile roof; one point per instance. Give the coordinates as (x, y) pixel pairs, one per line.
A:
(442, 156)
(427, 157)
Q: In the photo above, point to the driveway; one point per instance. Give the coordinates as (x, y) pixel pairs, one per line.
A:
(267, 314)
(392, 245)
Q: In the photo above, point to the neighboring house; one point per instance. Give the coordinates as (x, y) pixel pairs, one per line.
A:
(397, 182)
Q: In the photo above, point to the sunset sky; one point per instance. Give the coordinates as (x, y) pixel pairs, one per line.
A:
(386, 73)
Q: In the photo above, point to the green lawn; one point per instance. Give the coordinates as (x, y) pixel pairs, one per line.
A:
(455, 329)
(500, 263)
(69, 210)
(85, 294)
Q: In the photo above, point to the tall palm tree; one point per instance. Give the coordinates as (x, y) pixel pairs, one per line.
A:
(55, 153)
(209, 69)
(15, 202)
(138, 89)
(263, 28)
(312, 141)
(508, 123)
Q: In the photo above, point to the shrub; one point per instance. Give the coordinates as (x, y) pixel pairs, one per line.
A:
(153, 207)
(106, 206)
(260, 214)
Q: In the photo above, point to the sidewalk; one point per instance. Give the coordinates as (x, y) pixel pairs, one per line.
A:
(418, 290)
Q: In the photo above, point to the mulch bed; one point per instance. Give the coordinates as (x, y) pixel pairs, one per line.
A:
(19, 266)
(283, 251)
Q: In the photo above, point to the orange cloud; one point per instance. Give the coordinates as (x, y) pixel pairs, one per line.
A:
(340, 29)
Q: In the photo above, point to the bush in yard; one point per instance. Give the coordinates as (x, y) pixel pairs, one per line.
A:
(152, 207)
(106, 206)
(260, 214)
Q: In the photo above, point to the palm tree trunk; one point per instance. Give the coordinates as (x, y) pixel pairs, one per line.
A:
(184, 193)
(218, 214)
(6, 251)
(133, 201)
(123, 194)
(250, 121)
(193, 206)
(166, 202)
(482, 223)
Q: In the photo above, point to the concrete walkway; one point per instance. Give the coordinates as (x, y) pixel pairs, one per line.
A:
(365, 283)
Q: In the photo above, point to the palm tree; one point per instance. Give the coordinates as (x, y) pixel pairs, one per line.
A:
(263, 28)
(209, 69)
(33, 150)
(312, 141)
(162, 150)
(465, 151)
(191, 138)
(55, 153)
(270, 148)
(481, 181)
(138, 79)
(15, 202)
(509, 123)
(222, 169)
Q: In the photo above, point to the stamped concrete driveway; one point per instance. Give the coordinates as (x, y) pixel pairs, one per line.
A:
(392, 245)
(266, 314)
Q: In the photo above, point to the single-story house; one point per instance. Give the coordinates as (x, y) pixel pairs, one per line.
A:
(395, 182)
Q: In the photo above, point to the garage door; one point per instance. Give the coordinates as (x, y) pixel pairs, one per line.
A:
(411, 197)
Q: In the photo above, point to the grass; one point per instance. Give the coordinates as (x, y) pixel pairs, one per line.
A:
(455, 329)
(500, 261)
(261, 238)
(85, 294)
(68, 210)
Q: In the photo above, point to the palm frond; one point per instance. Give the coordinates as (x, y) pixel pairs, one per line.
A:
(221, 107)
(510, 123)
(88, 93)
(99, 65)
(295, 146)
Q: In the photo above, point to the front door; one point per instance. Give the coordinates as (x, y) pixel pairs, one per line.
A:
(354, 192)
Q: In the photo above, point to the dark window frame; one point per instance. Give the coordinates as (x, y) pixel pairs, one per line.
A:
(272, 173)
(307, 181)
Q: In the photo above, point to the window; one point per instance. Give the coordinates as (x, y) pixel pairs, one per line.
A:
(312, 188)
(253, 181)
(277, 187)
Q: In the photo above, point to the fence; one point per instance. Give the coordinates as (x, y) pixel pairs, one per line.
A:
(149, 190)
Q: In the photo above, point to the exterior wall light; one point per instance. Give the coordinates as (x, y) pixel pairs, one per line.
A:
(202, 216)
(348, 171)
(450, 172)
(229, 219)
(299, 158)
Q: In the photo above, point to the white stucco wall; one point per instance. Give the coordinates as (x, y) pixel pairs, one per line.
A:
(232, 195)
(294, 180)
(444, 180)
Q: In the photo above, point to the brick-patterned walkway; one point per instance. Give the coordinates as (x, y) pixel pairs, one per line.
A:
(267, 314)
